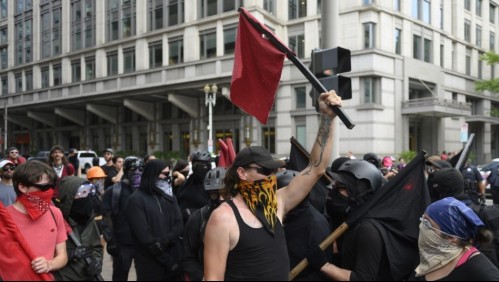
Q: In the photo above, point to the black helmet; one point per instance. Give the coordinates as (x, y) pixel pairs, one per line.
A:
(284, 177)
(214, 179)
(447, 182)
(132, 162)
(201, 156)
(361, 169)
(372, 158)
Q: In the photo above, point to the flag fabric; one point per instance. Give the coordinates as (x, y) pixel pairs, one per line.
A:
(16, 266)
(453, 161)
(397, 207)
(299, 160)
(231, 151)
(257, 67)
(223, 155)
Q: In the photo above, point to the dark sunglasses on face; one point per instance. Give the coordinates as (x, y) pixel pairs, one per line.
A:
(44, 186)
(262, 170)
(6, 168)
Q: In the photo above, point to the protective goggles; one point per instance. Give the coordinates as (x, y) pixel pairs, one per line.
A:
(85, 190)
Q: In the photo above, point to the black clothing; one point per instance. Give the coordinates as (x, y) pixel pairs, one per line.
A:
(471, 177)
(258, 255)
(110, 172)
(75, 162)
(303, 226)
(123, 262)
(192, 261)
(364, 253)
(476, 268)
(191, 196)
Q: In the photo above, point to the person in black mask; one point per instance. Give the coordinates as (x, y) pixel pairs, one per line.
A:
(191, 194)
(156, 225)
(84, 248)
(362, 248)
(196, 225)
(115, 227)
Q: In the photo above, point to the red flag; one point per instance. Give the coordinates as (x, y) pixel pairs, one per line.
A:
(257, 67)
(223, 156)
(231, 151)
(15, 253)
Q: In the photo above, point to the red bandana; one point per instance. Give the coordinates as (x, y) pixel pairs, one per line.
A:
(36, 203)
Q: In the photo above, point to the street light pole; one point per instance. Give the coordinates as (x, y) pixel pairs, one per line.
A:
(210, 101)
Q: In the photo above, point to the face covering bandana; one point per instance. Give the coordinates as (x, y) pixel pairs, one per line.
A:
(134, 177)
(434, 251)
(260, 198)
(164, 186)
(36, 203)
(82, 210)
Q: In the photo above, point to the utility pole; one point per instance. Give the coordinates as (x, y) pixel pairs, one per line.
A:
(329, 33)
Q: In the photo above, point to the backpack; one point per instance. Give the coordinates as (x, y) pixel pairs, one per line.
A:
(490, 217)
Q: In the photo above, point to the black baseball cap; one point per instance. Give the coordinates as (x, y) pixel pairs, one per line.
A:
(109, 150)
(258, 155)
(448, 181)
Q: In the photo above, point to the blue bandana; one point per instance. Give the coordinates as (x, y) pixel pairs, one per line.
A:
(455, 218)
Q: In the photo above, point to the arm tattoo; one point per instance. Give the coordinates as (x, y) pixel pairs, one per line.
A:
(322, 137)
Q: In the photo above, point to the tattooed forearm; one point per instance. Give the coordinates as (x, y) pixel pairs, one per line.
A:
(322, 139)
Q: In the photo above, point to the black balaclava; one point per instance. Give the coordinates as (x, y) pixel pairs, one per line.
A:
(82, 210)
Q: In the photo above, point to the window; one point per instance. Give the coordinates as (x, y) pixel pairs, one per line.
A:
(467, 31)
(3, 9)
(478, 7)
(129, 60)
(441, 16)
(442, 55)
(176, 48)
(51, 28)
(4, 36)
(467, 5)
(214, 7)
(165, 13)
(427, 50)
(468, 61)
(422, 48)
(29, 80)
(297, 9)
(397, 38)
(492, 13)
(57, 74)
(396, 5)
(19, 82)
(45, 77)
(367, 2)
(268, 136)
(4, 58)
(22, 41)
(480, 66)
(76, 70)
(369, 35)
(120, 18)
(300, 97)
(421, 10)
(269, 6)
(82, 24)
(229, 40)
(112, 63)
(208, 41)
(301, 132)
(89, 68)
(370, 89)
(155, 54)
(478, 36)
(297, 44)
(492, 41)
(5, 85)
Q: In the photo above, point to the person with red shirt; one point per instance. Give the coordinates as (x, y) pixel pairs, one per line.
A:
(15, 157)
(61, 165)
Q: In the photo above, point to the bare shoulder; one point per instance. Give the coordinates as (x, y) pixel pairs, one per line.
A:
(222, 215)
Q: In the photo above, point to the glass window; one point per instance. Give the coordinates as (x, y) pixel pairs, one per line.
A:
(269, 6)
(176, 51)
(442, 55)
(467, 5)
(468, 61)
(82, 24)
(480, 66)
(22, 39)
(301, 133)
(297, 44)
(3, 9)
(57, 74)
(268, 136)
(4, 36)
(29, 80)
(4, 58)
(76, 71)
(155, 54)
(421, 10)
(208, 42)
(492, 13)
(5, 85)
(301, 97)
(427, 50)
(129, 60)
(229, 40)
(19, 82)
(369, 35)
(478, 8)
(112, 63)
(467, 31)
(397, 36)
(367, 2)
(89, 68)
(478, 36)
(416, 47)
(370, 89)
(120, 18)
(51, 27)
(45, 77)
(297, 9)
(492, 41)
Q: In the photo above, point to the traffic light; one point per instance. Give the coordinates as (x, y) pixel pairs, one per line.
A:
(326, 65)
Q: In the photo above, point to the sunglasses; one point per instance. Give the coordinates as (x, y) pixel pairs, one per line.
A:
(43, 187)
(85, 190)
(262, 170)
(7, 168)
(427, 225)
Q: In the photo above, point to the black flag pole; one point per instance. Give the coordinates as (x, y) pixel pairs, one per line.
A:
(465, 153)
(303, 69)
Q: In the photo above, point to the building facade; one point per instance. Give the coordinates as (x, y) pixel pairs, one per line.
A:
(134, 75)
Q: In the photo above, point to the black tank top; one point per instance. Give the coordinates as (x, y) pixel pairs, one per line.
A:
(258, 255)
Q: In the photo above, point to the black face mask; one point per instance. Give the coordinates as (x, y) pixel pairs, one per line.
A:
(82, 210)
(337, 204)
(199, 171)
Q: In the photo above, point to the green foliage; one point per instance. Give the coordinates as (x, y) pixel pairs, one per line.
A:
(494, 112)
(407, 155)
(489, 85)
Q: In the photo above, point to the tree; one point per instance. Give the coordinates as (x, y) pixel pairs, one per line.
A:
(489, 85)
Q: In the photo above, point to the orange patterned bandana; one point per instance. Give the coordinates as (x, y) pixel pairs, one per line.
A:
(261, 199)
